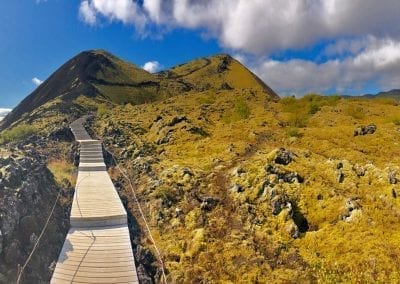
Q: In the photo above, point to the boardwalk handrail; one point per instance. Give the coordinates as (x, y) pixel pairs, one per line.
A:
(160, 258)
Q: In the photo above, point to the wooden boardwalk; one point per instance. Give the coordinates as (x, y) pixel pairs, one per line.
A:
(97, 248)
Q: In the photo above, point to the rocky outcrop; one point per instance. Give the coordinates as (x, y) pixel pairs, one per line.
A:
(340, 176)
(280, 202)
(364, 130)
(63, 134)
(284, 176)
(224, 64)
(27, 193)
(209, 203)
(351, 210)
(177, 119)
(284, 157)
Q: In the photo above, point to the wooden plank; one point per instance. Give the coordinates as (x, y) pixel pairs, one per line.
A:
(97, 274)
(96, 269)
(97, 280)
(93, 254)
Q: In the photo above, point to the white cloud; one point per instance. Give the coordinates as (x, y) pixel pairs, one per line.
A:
(126, 11)
(257, 26)
(87, 13)
(4, 112)
(378, 62)
(37, 81)
(152, 66)
(364, 35)
(40, 1)
(348, 46)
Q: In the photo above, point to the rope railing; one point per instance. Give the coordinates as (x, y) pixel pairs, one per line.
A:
(160, 259)
(22, 268)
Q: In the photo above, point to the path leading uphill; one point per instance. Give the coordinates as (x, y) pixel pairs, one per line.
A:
(97, 248)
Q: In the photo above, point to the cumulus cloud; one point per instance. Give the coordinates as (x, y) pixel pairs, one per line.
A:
(37, 81)
(87, 13)
(378, 62)
(344, 47)
(126, 11)
(152, 66)
(258, 26)
(4, 112)
(364, 35)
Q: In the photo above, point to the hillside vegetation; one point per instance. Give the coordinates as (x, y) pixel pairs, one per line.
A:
(98, 77)
(238, 185)
(228, 204)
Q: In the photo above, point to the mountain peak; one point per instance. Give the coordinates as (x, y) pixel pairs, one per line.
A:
(219, 72)
(85, 74)
(99, 75)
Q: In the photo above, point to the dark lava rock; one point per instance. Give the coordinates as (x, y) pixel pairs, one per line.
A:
(158, 118)
(279, 202)
(284, 157)
(13, 253)
(177, 119)
(223, 65)
(364, 130)
(392, 179)
(62, 134)
(289, 177)
(340, 176)
(293, 230)
(13, 176)
(143, 277)
(165, 139)
(237, 188)
(351, 205)
(166, 202)
(267, 187)
(209, 203)
(27, 191)
(199, 131)
(226, 86)
(145, 260)
(144, 256)
(4, 161)
(187, 171)
(370, 129)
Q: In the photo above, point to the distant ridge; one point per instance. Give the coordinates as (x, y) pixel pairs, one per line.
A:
(395, 93)
(99, 76)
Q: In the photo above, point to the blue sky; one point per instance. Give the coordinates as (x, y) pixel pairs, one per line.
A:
(37, 38)
(295, 46)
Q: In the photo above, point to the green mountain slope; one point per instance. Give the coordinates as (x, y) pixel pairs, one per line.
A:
(236, 185)
(227, 204)
(220, 72)
(95, 77)
(93, 74)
